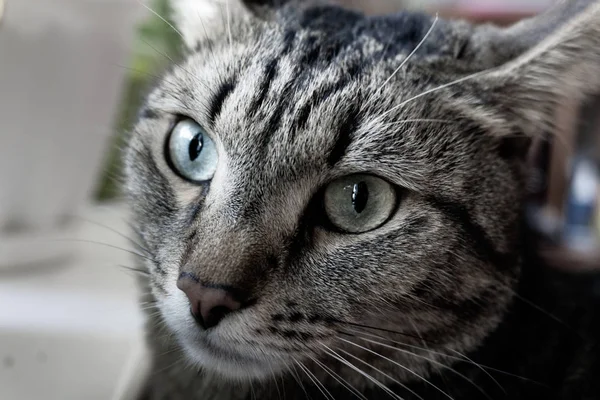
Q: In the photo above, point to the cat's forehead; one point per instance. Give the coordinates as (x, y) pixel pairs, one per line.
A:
(305, 92)
(307, 68)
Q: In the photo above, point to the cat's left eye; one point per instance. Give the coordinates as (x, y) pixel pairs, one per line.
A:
(359, 203)
(191, 152)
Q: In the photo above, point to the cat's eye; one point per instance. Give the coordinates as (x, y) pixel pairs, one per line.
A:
(192, 152)
(359, 203)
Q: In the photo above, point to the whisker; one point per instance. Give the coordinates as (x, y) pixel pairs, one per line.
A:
(161, 18)
(404, 121)
(378, 329)
(433, 24)
(275, 381)
(151, 307)
(338, 378)
(380, 371)
(460, 357)
(435, 89)
(486, 367)
(399, 365)
(168, 366)
(177, 65)
(431, 361)
(137, 71)
(315, 381)
(283, 386)
(130, 240)
(107, 245)
(540, 309)
(378, 119)
(296, 377)
(481, 368)
(252, 394)
(136, 270)
(211, 47)
(345, 362)
(228, 12)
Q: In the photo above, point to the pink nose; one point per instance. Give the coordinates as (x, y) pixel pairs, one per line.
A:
(209, 305)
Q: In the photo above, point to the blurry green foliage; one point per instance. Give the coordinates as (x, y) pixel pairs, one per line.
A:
(155, 40)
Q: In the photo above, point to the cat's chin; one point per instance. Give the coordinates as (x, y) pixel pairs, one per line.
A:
(229, 364)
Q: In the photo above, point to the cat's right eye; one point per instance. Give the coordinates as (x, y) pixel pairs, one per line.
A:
(359, 203)
(191, 152)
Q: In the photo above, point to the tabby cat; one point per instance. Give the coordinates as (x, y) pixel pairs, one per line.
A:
(332, 205)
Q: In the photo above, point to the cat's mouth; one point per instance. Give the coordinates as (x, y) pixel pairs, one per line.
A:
(231, 361)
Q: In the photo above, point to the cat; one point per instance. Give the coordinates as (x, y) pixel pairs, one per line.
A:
(332, 206)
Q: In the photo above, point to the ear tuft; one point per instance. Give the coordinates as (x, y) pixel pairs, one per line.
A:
(563, 68)
(196, 19)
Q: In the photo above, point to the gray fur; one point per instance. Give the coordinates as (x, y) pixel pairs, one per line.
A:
(443, 270)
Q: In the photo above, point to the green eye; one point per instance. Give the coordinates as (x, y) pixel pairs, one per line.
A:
(359, 203)
(192, 152)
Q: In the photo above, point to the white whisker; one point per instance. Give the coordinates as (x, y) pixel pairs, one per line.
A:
(129, 239)
(161, 17)
(433, 24)
(296, 377)
(404, 121)
(228, 11)
(315, 381)
(169, 58)
(397, 382)
(339, 379)
(107, 245)
(435, 89)
(341, 359)
(430, 360)
(399, 365)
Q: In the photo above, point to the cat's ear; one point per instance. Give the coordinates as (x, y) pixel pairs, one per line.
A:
(523, 95)
(197, 19)
(496, 45)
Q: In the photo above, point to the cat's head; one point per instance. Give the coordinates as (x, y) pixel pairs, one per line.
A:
(307, 171)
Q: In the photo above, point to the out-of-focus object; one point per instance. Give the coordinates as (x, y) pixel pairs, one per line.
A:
(1, 9)
(502, 12)
(375, 6)
(566, 209)
(60, 82)
(579, 231)
(74, 331)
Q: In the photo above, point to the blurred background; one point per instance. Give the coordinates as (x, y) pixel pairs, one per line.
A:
(72, 74)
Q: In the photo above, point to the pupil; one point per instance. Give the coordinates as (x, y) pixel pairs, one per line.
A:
(360, 196)
(195, 147)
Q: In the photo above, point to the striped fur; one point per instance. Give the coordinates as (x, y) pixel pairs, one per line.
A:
(303, 95)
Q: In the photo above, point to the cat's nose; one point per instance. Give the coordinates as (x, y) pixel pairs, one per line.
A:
(208, 304)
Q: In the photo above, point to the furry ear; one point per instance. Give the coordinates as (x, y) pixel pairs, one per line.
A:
(497, 45)
(522, 96)
(196, 19)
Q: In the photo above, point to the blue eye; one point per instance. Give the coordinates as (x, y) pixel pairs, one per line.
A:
(192, 152)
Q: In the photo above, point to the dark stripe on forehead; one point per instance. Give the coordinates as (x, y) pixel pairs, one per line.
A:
(482, 245)
(316, 99)
(344, 133)
(350, 72)
(285, 99)
(219, 98)
(270, 71)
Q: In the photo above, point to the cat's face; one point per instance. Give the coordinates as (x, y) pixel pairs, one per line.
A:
(290, 171)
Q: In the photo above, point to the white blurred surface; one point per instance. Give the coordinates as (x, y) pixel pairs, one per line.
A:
(73, 330)
(60, 83)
